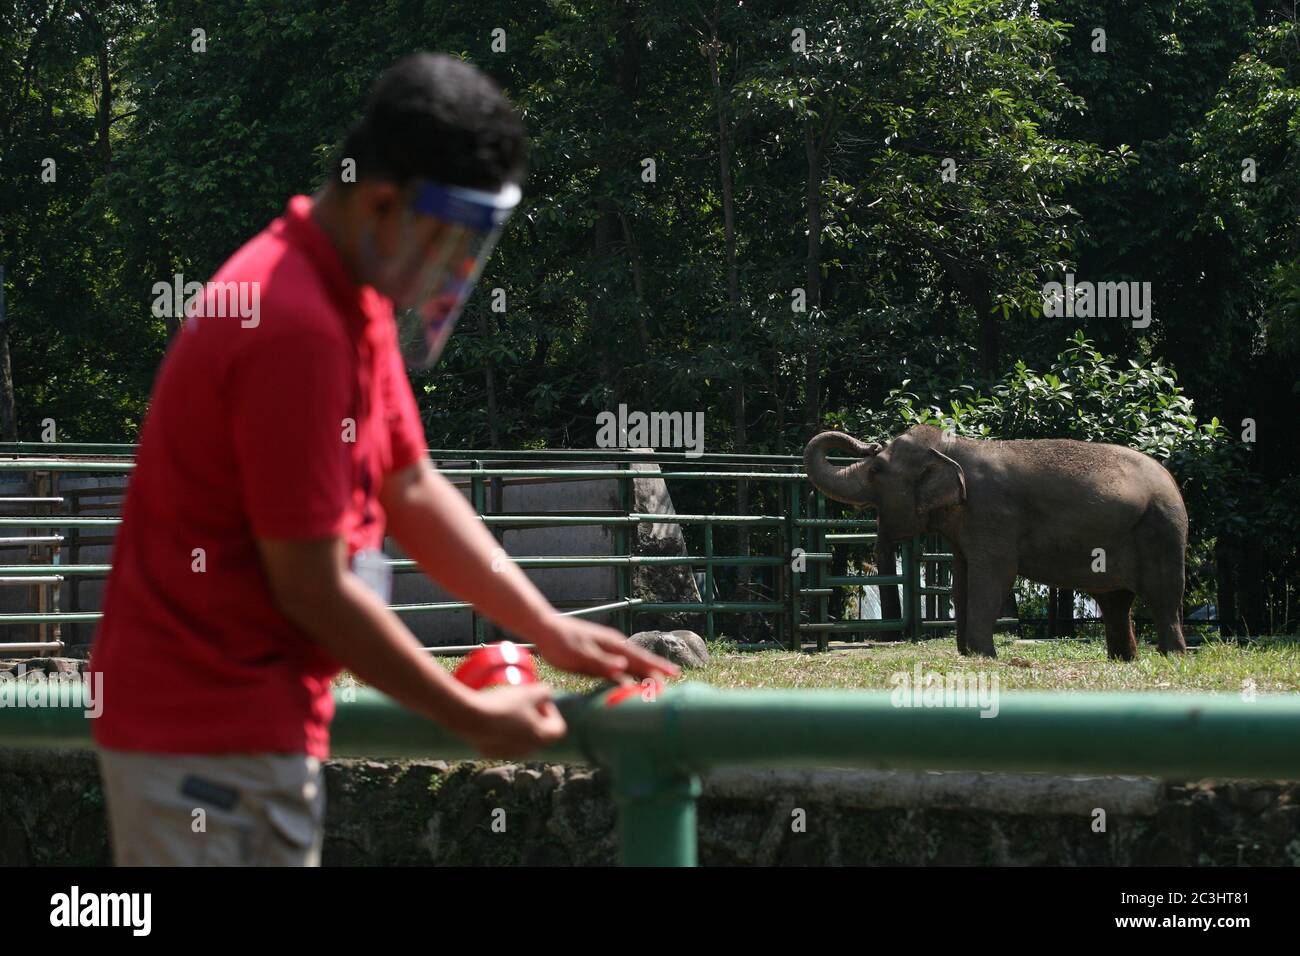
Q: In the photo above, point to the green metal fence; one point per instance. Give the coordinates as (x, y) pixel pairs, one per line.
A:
(795, 566)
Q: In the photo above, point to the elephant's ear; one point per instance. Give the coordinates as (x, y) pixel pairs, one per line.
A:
(941, 485)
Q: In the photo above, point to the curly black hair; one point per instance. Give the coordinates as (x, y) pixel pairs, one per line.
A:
(433, 116)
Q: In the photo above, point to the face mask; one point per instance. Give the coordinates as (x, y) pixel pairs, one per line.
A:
(432, 280)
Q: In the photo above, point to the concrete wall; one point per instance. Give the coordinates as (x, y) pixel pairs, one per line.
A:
(433, 813)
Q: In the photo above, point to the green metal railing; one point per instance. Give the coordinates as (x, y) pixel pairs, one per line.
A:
(799, 557)
(804, 537)
(655, 750)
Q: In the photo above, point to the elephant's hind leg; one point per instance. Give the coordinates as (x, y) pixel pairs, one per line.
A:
(1116, 612)
(1166, 603)
(1161, 586)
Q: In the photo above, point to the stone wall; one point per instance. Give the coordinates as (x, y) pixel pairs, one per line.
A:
(433, 813)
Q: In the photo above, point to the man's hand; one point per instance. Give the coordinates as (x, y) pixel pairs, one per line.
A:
(511, 721)
(598, 651)
(436, 526)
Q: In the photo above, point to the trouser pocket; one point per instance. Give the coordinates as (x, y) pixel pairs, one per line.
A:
(292, 816)
(287, 837)
(239, 810)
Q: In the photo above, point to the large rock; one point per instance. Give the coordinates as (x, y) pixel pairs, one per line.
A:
(685, 648)
(658, 583)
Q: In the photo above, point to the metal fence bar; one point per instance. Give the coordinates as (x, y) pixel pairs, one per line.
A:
(708, 582)
(623, 538)
(478, 498)
(794, 537)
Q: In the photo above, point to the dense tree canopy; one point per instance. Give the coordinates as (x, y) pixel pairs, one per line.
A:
(787, 215)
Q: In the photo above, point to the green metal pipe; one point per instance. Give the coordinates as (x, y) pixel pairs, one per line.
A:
(818, 535)
(708, 519)
(583, 454)
(44, 448)
(463, 650)
(63, 464)
(835, 522)
(561, 474)
(862, 580)
(656, 811)
(733, 559)
(36, 570)
(794, 541)
(709, 623)
(59, 522)
(545, 521)
(655, 748)
(87, 617)
(855, 625)
(717, 607)
(407, 564)
(52, 617)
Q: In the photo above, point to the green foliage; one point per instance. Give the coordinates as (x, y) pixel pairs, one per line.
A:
(1123, 165)
(1084, 395)
(1087, 396)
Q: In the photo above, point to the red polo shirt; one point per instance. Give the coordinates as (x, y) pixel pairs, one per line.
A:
(277, 422)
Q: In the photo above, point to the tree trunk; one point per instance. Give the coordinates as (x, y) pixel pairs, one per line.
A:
(1225, 587)
(812, 274)
(1254, 614)
(604, 324)
(489, 381)
(104, 111)
(611, 228)
(735, 328)
(1060, 612)
(990, 337)
(638, 282)
(8, 412)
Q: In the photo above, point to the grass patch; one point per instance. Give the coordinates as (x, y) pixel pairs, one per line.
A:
(1272, 664)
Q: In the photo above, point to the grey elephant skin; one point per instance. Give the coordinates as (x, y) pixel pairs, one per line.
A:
(1102, 519)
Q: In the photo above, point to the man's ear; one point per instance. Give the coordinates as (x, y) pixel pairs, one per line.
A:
(942, 483)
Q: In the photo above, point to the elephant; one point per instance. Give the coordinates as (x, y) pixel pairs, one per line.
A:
(1102, 519)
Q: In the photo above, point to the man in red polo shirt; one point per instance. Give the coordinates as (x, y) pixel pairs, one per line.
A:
(281, 442)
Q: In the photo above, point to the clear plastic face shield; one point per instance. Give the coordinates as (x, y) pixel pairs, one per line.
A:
(448, 235)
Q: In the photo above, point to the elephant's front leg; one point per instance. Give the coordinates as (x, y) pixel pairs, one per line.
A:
(891, 608)
(959, 599)
(986, 585)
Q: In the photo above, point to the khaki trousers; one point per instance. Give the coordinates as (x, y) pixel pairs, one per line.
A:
(213, 810)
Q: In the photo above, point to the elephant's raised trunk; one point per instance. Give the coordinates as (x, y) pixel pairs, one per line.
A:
(842, 484)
